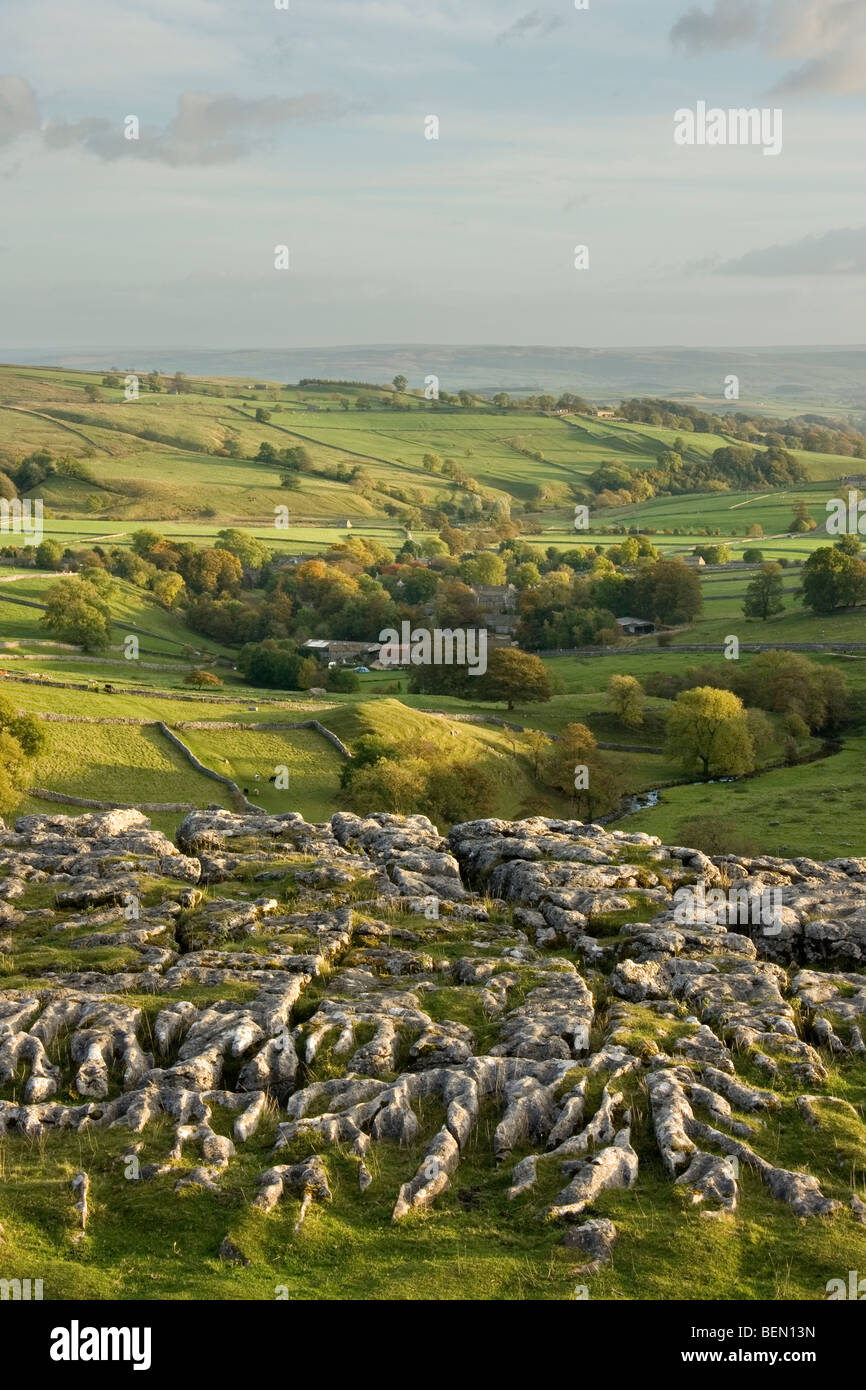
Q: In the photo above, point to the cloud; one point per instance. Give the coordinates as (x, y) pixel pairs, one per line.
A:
(535, 25)
(19, 109)
(843, 72)
(840, 252)
(825, 39)
(206, 129)
(729, 22)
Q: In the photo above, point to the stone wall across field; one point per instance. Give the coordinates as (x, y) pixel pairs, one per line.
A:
(148, 807)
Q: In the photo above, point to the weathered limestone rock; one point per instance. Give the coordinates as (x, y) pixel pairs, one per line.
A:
(361, 951)
(616, 1166)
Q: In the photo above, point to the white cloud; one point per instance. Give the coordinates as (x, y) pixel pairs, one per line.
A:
(825, 38)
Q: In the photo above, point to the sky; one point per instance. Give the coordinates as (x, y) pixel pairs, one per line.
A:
(306, 127)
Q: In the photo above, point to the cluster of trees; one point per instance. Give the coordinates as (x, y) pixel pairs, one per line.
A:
(570, 610)
(22, 477)
(725, 721)
(733, 467)
(512, 677)
(390, 776)
(811, 433)
(281, 665)
(359, 587)
(780, 682)
(22, 738)
(575, 766)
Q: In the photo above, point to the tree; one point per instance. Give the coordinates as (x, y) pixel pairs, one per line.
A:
(484, 568)
(456, 605)
(538, 744)
(753, 556)
(513, 675)
(789, 683)
(669, 591)
(201, 679)
(262, 415)
(708, 731)
(400, 383)
(214, 572)
(252, 553)
(366, 750)
(526, 575)
(167, 589)
(11, 767)
(93, 394)
(764, 594)
(343, 680)
(802, 519)
(626, 699)
(309, 673)
(396, 785)
(76, 612)
(49, 555)
(832, 579)
(144, 541)
(297, 459)
(458, 791)
(849, 545)
(24, 728)
(575, 767)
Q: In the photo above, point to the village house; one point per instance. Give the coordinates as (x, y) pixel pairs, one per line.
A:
(495, 598)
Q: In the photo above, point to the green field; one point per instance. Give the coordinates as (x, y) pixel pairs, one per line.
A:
(153, 458)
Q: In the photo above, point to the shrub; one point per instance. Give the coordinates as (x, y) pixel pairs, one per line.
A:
(200, 678)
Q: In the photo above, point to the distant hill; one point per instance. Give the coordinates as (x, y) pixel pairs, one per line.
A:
(788, 379)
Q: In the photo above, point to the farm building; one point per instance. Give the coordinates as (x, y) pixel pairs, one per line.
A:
(635, 627)
(344, 653)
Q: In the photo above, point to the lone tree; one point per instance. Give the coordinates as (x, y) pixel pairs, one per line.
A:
(764, 594)
(513, 675)
(708, 731)
(574, 766)
(400, 383)
(803, 520)
(626, 698)
(201, 678)
(832, 579)
(76, 612)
